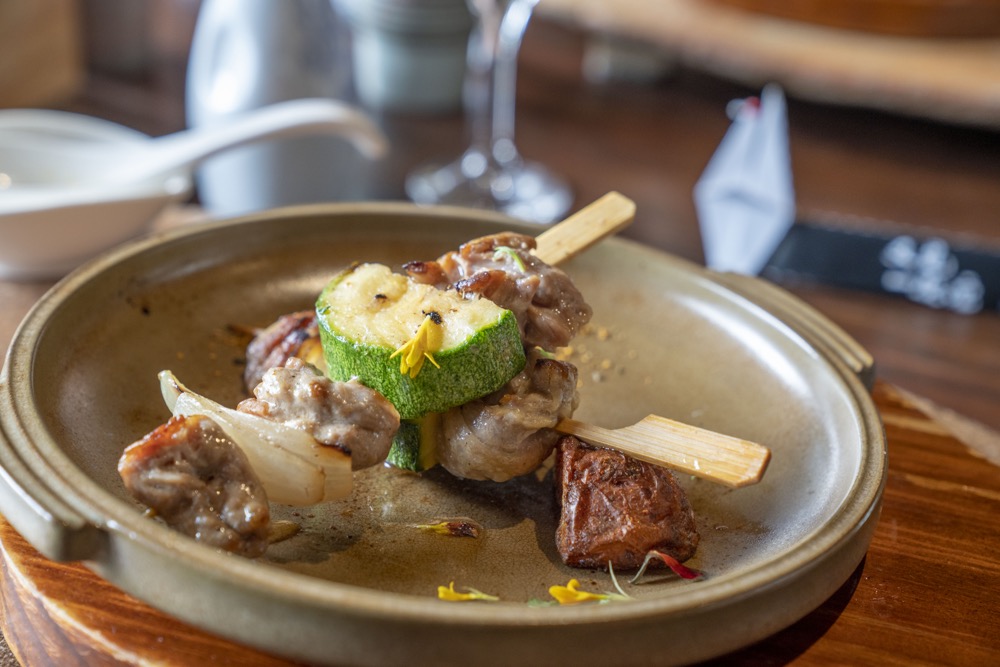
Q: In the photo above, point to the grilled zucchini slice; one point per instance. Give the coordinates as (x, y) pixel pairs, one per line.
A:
(424, 349)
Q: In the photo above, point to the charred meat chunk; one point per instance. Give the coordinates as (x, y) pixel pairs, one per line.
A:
(550, 310)
(616, 509)
(191, 475)
(346, 415)
(292, 335)
(509, 433)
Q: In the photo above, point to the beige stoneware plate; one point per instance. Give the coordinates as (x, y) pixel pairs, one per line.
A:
(357, 584)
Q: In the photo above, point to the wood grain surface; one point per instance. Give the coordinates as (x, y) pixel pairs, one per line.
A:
(921, 596)
(63, 615)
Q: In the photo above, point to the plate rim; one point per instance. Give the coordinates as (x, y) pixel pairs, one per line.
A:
(853, 514)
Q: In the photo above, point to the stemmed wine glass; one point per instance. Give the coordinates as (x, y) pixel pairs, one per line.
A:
(491, 173)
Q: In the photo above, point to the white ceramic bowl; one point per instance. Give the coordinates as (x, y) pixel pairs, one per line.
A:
(78, 222)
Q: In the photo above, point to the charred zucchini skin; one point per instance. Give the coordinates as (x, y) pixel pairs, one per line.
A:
(479, 365)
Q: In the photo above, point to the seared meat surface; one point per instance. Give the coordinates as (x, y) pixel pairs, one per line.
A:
(550, 310)
(346, 415)
(616, 509)
(292, 335)
(190, 474)
(509, 433)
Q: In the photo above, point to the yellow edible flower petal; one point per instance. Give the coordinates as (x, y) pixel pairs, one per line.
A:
(569, 594)
(451, 595)
(427, 340)
(453, 528)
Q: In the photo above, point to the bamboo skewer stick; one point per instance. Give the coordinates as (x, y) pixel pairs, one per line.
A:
(592, 223)
(690, 449)
(658, 440)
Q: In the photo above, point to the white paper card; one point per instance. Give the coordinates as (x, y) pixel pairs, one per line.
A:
(745, 199)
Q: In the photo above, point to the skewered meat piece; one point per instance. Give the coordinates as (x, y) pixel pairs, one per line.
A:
(616, 509)
(509, 433)
(346, 415)
(199, 481)
(550, 310)
(292, 335)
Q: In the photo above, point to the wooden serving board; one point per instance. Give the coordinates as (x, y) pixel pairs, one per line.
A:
(923, 595)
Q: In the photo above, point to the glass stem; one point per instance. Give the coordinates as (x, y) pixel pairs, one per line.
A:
(492, 90)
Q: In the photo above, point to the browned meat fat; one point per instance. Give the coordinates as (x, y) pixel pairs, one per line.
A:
(347, 415)
(509, 432)
(550, 310)
(200, 483)
(292, 335)
(616, 509)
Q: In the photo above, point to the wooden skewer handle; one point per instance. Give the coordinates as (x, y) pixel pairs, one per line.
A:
(696, 451)
(590, 224)
(713, 456)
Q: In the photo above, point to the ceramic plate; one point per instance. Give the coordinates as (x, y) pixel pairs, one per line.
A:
(358, 583)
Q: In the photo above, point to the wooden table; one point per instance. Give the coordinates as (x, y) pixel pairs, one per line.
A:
(926, 592)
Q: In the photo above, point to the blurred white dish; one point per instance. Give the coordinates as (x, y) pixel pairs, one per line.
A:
(73, 186)
(48, 242)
